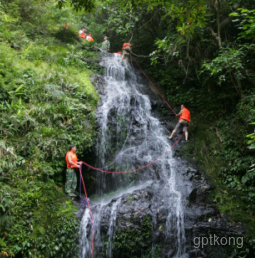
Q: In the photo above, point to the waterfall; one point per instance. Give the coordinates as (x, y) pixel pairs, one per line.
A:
(84, 239)
(111, 229)
(121, 97)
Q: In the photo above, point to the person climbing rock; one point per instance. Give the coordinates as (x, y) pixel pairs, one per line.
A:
(184, 120)
(89, 37)
(72, 165)
(126, 50)
(82, 33)
(106, 44)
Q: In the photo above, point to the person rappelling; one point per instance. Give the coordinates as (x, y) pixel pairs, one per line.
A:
(126, 50)
(184, 120)
(72, 164)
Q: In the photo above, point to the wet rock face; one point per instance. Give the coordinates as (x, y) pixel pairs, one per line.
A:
(134, 208)
(133, 229)
(205, 227)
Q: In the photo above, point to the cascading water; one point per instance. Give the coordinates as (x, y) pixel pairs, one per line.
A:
(112, 225)
(144, 140)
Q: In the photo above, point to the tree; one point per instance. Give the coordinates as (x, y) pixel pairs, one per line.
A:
(87, 5)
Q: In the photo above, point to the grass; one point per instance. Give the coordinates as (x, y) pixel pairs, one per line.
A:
(68, 73)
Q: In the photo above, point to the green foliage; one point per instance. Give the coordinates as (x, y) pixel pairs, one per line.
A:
(191, 16)
(246, 19)
(6, 207)
(47, 102)
(87, 5)
(228, 65)
(251, 141)
(67, 35)
(41, 218)
(56, 120)
(64, 102)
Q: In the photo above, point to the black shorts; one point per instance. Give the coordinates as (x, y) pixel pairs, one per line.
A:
(127, 51)
(184, 123)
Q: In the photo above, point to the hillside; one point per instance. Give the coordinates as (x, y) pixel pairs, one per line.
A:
(47, 102)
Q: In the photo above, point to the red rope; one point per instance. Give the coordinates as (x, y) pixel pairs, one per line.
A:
(92, 219)
(134, 170)
(154, 86)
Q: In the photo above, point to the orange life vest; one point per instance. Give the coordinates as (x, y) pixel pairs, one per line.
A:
(82, 34)
(89, 38)
(185, 115)
(73, 159)
(126, 45)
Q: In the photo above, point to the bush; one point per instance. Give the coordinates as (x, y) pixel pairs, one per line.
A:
(67, 35)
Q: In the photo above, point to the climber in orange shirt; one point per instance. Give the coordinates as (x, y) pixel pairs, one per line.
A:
(72, 164)
(184, 120)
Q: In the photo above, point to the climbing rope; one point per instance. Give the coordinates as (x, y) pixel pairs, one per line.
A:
(137, 169)
(91, 216)
(154, 86)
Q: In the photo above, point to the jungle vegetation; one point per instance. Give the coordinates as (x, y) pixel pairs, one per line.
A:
(200, 52)
(47, 102)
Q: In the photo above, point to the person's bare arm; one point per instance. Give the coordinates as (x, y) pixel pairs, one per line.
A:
(179, 113)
